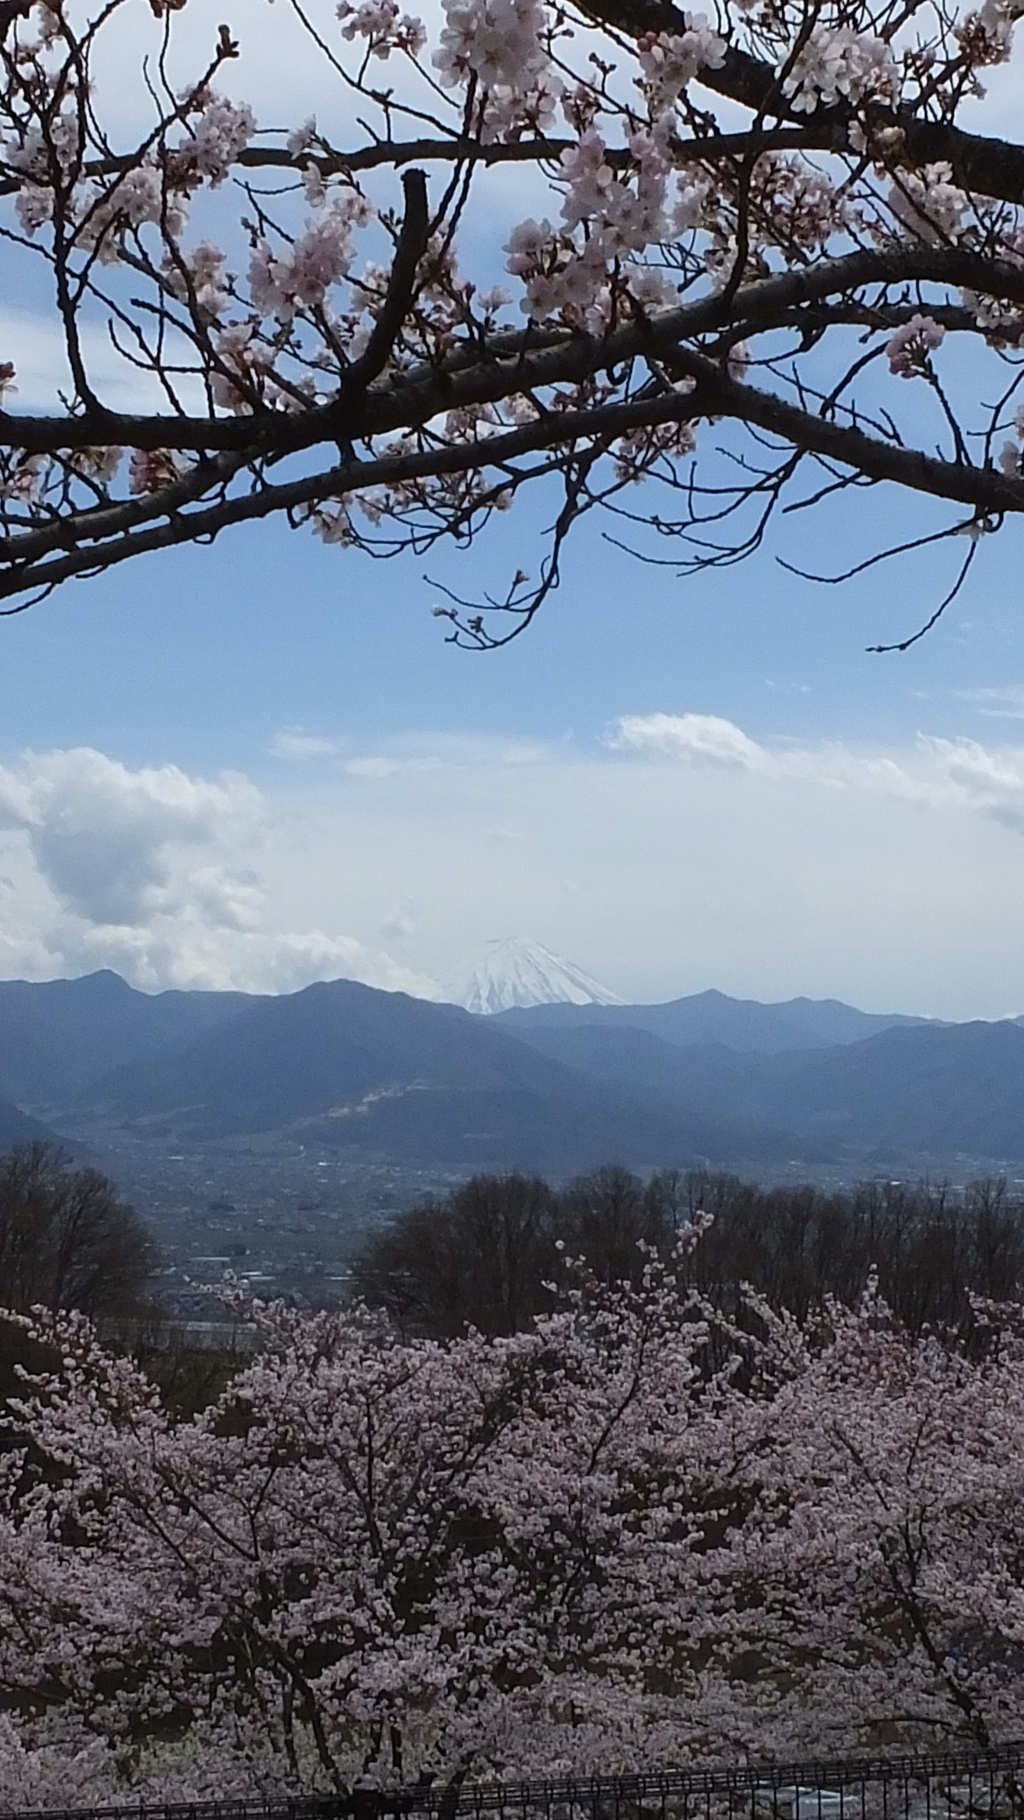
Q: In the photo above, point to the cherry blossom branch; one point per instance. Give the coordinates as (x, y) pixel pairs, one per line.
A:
(503, 365)
(388, 154)
(983, 166)
(687, 261)
(988, 490)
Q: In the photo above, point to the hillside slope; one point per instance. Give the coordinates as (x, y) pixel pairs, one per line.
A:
(941, 1091)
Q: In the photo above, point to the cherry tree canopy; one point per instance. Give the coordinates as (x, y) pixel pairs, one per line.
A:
(731, 241)
(634, 1536)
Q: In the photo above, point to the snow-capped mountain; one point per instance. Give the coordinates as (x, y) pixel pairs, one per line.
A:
(518, 972)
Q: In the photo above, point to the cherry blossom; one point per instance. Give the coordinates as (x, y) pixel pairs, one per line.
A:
(24, 479)
(384, 27)
(302, 138)
(101, 465)
(221, 131)
(931, 207)
(1010, 456)
(281, 283)
(987, 35)
(151, 469)
(137, 199)
(910, 348)
(199, 272)
(501, 42)
(840, 62)
(637, 1533)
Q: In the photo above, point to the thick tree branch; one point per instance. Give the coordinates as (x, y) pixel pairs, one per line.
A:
(411, 246)
(503, 365)
(983, 167)
(987, 492)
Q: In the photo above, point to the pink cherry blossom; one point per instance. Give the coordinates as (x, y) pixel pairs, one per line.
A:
(910, 348)
(151, 469)
(282, 282)
(204, 266)
(670, 63)
(930, 206)
(748, 171)
(840, 62)
(499, 41)
(222, 130)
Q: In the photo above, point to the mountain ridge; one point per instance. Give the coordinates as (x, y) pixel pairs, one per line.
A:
(558, 1088)
(55, 1035)
(351, 1064)
(712, 1016)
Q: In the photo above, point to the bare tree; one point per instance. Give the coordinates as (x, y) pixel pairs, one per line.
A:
(609, 1216)
(487, 1253)
(66, 1238)
(481, 1255)
(763, 224)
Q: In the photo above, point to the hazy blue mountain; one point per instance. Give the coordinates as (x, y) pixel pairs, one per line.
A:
(56, 1035)
(556, 1088)
(351, 1065)
(16, 1127)
(947, 1091)
(646, 1063)
(713, 1017)
(59, 1037)
(937, 1090)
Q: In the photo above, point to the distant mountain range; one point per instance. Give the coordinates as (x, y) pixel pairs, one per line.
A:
(924, 1090)
(712, 1017)
(558, 1087)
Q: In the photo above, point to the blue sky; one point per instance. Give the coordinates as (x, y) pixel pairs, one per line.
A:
(259, 763)
(410, 801)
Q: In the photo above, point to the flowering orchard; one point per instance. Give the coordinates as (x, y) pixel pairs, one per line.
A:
(749, 228)
(634, 1536)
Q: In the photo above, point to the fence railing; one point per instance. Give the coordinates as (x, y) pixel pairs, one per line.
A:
(961, 1785)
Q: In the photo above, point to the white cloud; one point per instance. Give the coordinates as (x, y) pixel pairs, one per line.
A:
(683, 853)
(1000, 704)
(156, 874)
(932, 770)
(687, 736)
(376, 767)
(35, 343)
(989, 780)
(295, 742)
(191, 953)
(116, 846)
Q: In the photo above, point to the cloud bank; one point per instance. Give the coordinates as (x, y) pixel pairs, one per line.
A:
(675, 853)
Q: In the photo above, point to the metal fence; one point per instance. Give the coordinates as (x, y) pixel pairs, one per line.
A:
(958, 1786)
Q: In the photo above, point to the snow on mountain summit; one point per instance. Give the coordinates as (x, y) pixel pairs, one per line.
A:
(518, 972)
